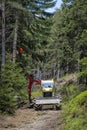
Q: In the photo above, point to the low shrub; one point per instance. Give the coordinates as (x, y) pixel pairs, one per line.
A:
(75, 113)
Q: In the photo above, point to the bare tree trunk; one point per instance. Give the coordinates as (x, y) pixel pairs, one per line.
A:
(15, 40)
(58, 72)
(3, 32)
(78, 67)
(67, 68)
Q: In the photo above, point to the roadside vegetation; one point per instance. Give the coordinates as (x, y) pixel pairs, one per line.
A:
(75, 113)
(74, 105)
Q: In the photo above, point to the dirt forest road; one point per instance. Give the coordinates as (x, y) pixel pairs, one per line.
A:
(29, 119)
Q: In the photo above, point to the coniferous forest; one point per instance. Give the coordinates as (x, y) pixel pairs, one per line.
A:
(47, 45)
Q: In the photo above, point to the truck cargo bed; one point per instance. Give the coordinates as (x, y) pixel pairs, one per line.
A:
(44, 101)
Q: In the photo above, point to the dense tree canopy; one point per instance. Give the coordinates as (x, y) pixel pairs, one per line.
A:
(69, 35)
(52, 44)
(27, 29)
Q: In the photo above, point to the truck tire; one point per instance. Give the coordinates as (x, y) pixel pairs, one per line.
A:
(37, 107)
(58, 107)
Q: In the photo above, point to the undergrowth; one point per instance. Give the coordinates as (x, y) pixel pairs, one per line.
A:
(74, 98)
(75, 113)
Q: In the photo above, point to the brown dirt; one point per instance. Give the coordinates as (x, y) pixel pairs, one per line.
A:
(29, 119)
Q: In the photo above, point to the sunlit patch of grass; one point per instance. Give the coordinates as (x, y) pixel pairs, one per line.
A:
(36, 94)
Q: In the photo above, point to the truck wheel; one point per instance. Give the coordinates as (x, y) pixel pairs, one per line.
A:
(37, 107)
(58, 107)
(40, 107)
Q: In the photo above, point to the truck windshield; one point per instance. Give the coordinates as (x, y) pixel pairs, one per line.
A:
(47, 85)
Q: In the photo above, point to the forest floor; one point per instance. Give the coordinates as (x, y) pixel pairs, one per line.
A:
(29, 119)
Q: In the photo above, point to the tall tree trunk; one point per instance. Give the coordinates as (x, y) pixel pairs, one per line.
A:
(3, 32)
(15, 40)
(58, 72)
(38, 74)
(67, 67)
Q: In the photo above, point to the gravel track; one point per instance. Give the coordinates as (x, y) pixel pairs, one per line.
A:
(29, 119)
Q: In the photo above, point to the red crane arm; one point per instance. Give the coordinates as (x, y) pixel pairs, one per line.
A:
(31, 81)
(37, 81)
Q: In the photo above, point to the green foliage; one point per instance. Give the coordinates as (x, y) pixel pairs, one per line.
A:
(13, 83)
(7, 100)
(28, 26)
(70, 90)
(36, 91)
(55, 44)
(75, 113)
(36, 94)
(83, 66)
(68, 37)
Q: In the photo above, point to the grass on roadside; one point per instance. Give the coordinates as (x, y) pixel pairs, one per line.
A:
(75, 113)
